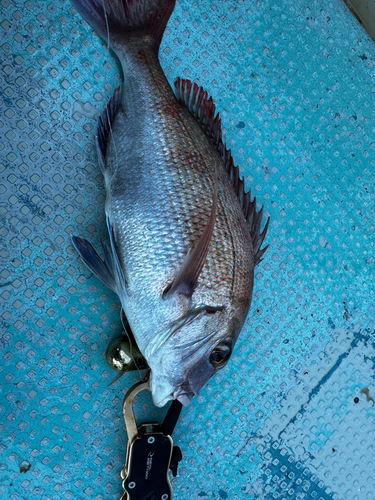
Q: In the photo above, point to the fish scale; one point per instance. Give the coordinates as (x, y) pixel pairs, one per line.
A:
(183, 251)
(171, 185)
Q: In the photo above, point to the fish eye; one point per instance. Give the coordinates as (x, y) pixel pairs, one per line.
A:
(220, 354)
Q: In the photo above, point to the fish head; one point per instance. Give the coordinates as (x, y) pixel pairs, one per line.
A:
(195, 347)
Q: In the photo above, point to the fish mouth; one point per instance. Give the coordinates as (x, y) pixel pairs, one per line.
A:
(183, 397)
(163, 401)
(161, 393)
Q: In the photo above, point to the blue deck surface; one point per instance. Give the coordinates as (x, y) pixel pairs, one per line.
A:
(292, 416)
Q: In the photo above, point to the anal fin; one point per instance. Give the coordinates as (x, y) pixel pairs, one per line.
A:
(104, 127)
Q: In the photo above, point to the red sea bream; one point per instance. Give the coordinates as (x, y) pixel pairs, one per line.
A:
(185, 237)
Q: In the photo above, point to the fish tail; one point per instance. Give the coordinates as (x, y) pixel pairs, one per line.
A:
(118, 21)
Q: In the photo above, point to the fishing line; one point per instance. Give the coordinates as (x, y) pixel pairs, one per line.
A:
(117, 164)
(105, 80)
(130, 342)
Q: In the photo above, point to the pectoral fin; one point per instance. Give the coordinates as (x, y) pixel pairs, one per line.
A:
(104, 270)
(187, 277)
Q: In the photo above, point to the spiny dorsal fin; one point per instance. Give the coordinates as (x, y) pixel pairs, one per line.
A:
(203, 109)
(105, 122)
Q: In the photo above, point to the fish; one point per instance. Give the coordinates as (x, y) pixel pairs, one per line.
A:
(184, 236)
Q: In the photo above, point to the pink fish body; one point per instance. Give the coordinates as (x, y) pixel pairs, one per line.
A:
(185, 237)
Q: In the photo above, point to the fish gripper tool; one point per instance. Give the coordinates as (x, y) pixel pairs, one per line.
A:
(150, 452)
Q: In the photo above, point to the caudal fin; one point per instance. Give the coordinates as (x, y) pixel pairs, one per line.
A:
(118, 20)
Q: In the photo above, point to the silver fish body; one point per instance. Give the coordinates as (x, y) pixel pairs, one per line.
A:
(166, 181)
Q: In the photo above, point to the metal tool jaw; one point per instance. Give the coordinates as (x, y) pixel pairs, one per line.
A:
(148, 458)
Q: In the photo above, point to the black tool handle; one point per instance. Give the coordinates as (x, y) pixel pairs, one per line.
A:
(149, 461)
(171, 418)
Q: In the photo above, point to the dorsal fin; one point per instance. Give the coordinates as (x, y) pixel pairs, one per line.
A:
(104, 127)
(203, 109)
